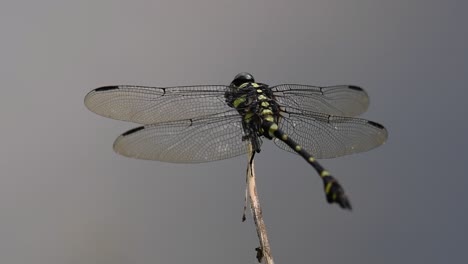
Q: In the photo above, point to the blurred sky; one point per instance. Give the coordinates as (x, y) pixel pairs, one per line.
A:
(66, 197)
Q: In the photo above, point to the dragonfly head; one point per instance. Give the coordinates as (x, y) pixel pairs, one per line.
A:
(241, 78)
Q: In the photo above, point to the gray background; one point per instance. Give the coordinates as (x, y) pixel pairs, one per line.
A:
(65, 197)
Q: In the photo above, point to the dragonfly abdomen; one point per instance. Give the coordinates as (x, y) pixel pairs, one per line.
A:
(333, 190)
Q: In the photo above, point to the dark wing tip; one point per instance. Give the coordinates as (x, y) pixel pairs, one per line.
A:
(372, 123)
(106, 88)
(88, 101)
(356, 88)
(133, 130)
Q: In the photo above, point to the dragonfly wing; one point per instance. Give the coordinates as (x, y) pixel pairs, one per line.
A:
(148, 105)
(185, 141)
(342, 100)
(327, 136)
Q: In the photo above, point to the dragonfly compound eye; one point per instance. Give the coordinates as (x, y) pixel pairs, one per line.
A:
(242, 78)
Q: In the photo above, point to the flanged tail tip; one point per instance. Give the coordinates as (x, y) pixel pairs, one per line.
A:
(335, 193)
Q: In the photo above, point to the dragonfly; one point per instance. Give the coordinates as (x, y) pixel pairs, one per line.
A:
(202, 123)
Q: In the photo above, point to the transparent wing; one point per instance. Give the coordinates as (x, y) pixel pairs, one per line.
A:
(148, 105)
(342, 100)
(326, 136)
(185, 141)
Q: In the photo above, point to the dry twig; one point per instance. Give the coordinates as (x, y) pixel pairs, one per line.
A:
(263, 252)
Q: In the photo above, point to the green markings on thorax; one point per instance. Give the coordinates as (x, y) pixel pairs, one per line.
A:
(263, 109)
(248, 116)
(266, 112)
(243, 85)
(239, 101)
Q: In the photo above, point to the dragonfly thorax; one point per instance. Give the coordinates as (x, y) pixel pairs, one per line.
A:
(256, 105)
